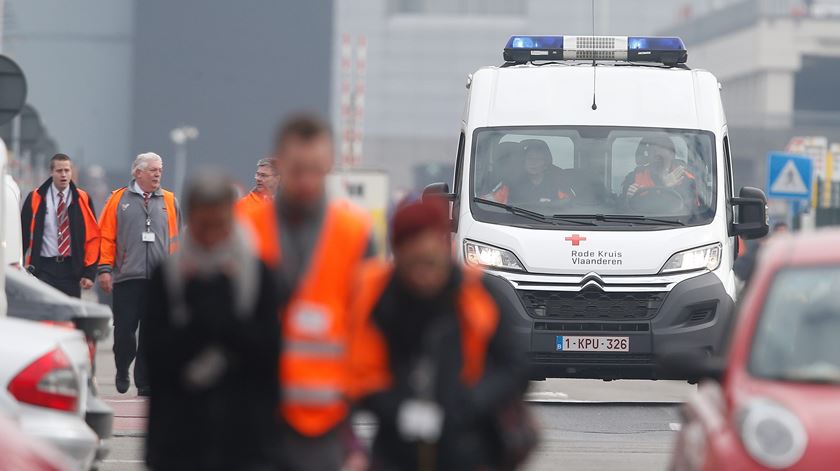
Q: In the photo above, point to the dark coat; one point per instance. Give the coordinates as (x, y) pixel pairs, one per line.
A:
(231, 425)
(77, 230)
(415, 328)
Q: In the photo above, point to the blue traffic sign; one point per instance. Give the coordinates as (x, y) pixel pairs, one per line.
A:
(789, 176)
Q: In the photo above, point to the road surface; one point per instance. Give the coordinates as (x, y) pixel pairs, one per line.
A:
(586, 425)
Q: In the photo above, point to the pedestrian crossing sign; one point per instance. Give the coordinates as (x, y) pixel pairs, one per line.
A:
(789, 176)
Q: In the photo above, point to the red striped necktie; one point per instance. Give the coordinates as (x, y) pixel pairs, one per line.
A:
(63, 227)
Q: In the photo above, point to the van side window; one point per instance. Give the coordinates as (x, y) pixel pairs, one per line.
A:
(459, 167)
(730, 191)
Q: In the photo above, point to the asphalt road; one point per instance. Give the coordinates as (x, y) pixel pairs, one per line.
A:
(586, 425)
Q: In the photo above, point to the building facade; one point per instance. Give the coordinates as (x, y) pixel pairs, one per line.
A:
(778, 62)
(418, 56)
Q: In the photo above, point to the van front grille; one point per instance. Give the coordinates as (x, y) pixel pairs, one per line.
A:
(592, 304)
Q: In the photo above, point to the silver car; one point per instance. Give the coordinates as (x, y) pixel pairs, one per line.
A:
(44, 373)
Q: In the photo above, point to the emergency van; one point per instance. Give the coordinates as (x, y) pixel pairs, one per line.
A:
(593, 182)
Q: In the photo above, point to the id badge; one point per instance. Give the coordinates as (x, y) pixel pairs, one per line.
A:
(148, 237)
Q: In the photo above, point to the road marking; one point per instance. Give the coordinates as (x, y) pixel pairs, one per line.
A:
(676, 427)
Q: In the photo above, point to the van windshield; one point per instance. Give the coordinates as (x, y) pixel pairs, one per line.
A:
(598, 176)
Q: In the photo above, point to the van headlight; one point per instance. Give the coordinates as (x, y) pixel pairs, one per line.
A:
(771, 434)
(706, 257)
(476, 253)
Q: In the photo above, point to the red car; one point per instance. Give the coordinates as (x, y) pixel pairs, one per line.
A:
(774, 402)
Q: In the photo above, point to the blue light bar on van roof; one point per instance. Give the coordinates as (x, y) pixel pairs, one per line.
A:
(664, 50)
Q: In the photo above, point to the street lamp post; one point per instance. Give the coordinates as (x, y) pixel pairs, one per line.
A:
(180, 136)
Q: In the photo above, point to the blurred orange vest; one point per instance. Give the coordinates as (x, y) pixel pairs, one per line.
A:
(247, 203)
(369, 369)
(313, 365)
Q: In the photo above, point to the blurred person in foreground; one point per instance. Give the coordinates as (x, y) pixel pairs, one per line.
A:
(430, 355)
(140, 226)
(265, 186)
(60, 232)
(315, 246)
(213, 342)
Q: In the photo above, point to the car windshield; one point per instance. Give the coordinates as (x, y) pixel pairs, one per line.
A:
(610, 176)
(796, 336)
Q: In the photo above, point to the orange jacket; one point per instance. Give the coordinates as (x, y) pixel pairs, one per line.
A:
(312, 366)
(644, 179)
(122, 223)
(369, 367)
(84, 236)
(247, 203)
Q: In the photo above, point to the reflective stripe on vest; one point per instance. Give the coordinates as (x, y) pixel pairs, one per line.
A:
(315, 348)
(369, 367)
(312, 396)
(315, 323)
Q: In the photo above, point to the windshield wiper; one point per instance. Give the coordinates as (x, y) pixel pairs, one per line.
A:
(527, 212)
(631, 218)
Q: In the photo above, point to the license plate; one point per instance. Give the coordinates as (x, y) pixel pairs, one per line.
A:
(569, 343)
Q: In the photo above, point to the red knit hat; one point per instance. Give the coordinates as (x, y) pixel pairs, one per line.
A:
(414, 218)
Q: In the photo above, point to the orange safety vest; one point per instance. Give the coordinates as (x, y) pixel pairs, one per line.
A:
(108, 225)
(501, 194)
(644, 179)
(91, 227)
(369, 368)
(246, 203)
(312, 367)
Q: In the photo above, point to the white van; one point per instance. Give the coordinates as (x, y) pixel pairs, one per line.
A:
(594, 184)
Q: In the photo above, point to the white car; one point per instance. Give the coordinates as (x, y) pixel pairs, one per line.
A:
(44, 375)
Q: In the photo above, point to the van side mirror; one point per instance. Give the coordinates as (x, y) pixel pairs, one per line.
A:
(752, 214)
(690, 365)
(438, 190)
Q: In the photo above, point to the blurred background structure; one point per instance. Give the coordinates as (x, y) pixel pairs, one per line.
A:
(111, 78)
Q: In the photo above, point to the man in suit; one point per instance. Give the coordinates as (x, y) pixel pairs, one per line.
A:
(60, 233)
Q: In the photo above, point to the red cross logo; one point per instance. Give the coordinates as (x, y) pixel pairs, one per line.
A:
(575, 239)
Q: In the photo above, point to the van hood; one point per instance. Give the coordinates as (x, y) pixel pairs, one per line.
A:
(570, 252)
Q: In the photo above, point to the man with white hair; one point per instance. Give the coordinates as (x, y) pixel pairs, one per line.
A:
(139, 227)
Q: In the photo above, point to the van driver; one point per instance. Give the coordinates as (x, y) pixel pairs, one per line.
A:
(662, 170)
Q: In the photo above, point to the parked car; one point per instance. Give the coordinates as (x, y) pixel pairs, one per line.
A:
(20, 452)
(44, 373)
(774, 402)
(29, 298)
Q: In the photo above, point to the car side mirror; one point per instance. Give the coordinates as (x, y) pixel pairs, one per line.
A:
(752, 214)
(438, 190)
(441, 190)
(692, 366)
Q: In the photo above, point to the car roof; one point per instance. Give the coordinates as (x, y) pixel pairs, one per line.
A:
(818, 247)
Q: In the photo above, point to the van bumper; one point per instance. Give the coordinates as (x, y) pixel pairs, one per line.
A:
(696, 315)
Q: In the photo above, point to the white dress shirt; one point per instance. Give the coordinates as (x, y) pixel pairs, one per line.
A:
(49, 245)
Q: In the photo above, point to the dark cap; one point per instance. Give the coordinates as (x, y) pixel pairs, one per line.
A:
(417, 217)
